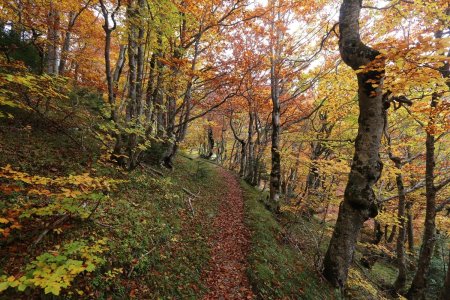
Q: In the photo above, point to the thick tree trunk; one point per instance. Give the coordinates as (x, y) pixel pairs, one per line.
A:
(275, 93)
(134, 109)
(359, 199)
(275, 173)
(66, 44)
(210, 139)
(52, 36)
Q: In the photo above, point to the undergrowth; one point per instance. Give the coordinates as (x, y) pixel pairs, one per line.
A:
(154, 233)
(277, 270)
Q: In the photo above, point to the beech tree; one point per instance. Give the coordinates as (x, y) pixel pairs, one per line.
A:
(359, 200)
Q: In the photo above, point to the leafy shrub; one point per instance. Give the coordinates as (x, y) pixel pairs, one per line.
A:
(42, 196)
(55, 270)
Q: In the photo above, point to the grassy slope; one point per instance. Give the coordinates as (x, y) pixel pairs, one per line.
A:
(157, 247)
(277, 270)
(285, 251)
(156, 234)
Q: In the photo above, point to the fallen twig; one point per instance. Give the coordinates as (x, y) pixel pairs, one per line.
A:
(190, 205)
(148, 168)
(93, 210)
(102, 224)
(190, 193)
(52, 226)
(156, 171)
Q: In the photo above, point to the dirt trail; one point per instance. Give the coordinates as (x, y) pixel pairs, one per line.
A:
(226, 277)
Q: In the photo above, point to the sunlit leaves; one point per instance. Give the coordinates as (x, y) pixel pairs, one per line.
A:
(55, 270)
(48, 196)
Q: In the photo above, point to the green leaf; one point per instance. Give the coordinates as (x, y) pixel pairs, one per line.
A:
(4, 286)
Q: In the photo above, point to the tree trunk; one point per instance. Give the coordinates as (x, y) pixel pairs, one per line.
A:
(140, 60)
(109, 78)
(210, 152)
(66, 44)
(119, 66)
(359, 199)
(377, 232)
(419, 283)
(178, 132)
(275, 93)
(243, 155)
(275, 173)
(251, 145)
(243, 158)
(52, 36)
(392, 235)
(410, 227)
(400, 282)
(445, 294)
(258, 152)
(135, 77)
(132, 65)
(149, 92)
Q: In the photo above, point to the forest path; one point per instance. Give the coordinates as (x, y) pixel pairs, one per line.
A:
(225, 276)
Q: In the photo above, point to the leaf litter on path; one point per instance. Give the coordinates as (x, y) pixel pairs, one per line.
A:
(226, 276)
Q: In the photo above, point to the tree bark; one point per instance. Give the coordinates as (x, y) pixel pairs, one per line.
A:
(107, 55)
(359, 199)
(251, 145)
(66, 44)
(410, 227)
(136, 58)
(52, 36)
(275, 173)
(378, 233)
(243, 156)
(119, 66)
(400, 282)
(210, 138)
